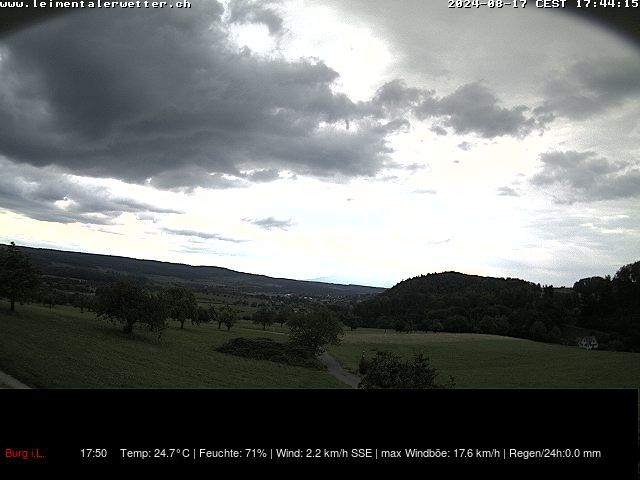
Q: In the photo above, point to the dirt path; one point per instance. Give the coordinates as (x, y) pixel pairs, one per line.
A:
(338, 372)
(7, 381)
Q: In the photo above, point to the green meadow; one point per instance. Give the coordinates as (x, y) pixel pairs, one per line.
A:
(489, 361)
(63, 348)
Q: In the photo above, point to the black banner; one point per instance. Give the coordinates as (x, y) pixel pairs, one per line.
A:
(580, 432)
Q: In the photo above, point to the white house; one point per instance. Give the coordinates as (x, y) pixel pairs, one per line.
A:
(588, 343)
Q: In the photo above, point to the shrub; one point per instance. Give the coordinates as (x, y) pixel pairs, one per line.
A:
(267, 349)
(388, 370)
(314, 331)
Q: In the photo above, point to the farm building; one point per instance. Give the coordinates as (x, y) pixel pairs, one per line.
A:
(588, 343)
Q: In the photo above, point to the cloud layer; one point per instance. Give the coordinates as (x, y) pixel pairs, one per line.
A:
(47, 194)
(586, 176)
(203, 235)
(250, 11)
(585, 88)
(270, 223)
(152, 95)
(473, 108)
(166, 98)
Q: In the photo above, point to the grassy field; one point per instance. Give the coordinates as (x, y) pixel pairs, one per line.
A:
(62, 348)
(488, 361)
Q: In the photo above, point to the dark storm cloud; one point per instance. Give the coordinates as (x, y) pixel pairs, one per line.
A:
(205, 235)
(586, 176)
(270, 223)
(393, 99)
(139, 95)
(263, 176)
(189, 177)
(473, 108)
(164, 98)
(589, 88)
(249, 11)
(46, 194)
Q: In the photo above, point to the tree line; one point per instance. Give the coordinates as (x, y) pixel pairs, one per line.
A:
(129, 303)
(454, 302)
(445, 302)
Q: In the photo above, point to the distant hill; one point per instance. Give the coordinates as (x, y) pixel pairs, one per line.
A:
(459, 303)
(455, 302)
(102, 268)
(412, 298)
(454, 283)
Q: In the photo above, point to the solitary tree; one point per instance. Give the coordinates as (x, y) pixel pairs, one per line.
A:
(154, 312)
(388, 370)
(125, 302)
(315, 331)
(79, 300)
(213, 314)
(226, 317)
(48, 296)
(202, 317)
(264, 316)
(181, 304)
(283, 316)
(17, 275)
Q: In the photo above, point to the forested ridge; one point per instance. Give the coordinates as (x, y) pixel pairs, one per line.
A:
(455, 302)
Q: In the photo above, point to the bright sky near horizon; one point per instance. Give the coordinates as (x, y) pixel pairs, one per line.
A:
(355, 141)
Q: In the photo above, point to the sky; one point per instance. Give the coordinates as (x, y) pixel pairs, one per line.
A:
(352, 141)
